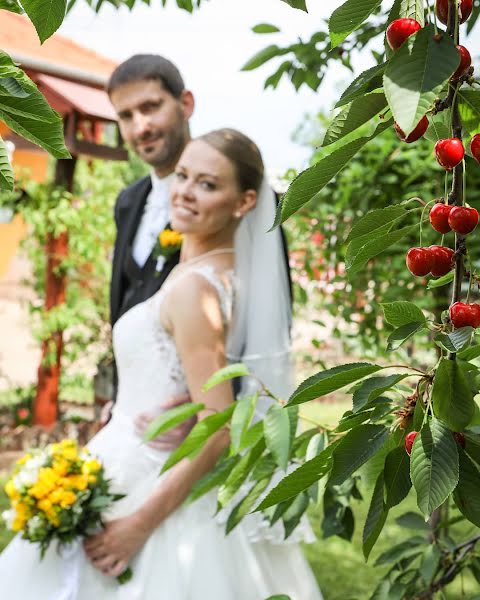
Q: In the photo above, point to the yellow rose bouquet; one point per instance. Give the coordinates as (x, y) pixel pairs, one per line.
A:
(58, 493)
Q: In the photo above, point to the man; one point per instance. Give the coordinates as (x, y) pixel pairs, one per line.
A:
(153, 108)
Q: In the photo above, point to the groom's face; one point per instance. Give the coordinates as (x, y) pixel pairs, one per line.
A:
(153, 122)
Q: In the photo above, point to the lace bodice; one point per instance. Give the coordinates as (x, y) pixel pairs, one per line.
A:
(148, 365)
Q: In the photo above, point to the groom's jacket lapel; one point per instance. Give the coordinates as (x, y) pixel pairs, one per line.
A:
(128, 212)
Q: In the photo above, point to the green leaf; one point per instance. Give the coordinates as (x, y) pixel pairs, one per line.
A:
(451, 396)
(359, 112)
(293, 514)
(376, 246)
(276, 428)
(46, 15)
(374, 221)
(275, 77)
(397, 476)
(434, 466)
(239, 473)
(241, 419)
(265, 28)
(225, 374)
(416, 75)
(300, 4)
(348, 17)
(246, 504)
(402, 334)
(411, 520)
(455, 340)
(279, 596)
(213, 478)
(466, 495)
(264, 56)
(355, 449)
(330, 380)
(11, 6)
(413, 9)
(402, 312)
(470, 353)
(199, 435)
(252, 436)
(171, 418)
(6, 173)
(301, 479)
(308, 185)
(410, 547)
(469, 107)
(376, 517)
(430, 561)
(373, 388)
(369, 80)
(13, 87)
(436, 283)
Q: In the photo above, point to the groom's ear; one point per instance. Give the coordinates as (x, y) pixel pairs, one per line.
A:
(188, 103)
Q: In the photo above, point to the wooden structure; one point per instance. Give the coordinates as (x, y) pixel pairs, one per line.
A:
(72, 79)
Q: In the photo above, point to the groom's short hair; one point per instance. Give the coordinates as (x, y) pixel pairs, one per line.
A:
(144, 67)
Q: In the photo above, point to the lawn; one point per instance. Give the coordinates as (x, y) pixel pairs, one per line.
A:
(339, 565)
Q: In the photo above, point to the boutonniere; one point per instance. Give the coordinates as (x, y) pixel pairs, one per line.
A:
(168, 242)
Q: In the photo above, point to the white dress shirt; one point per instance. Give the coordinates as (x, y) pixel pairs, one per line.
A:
(155, 217)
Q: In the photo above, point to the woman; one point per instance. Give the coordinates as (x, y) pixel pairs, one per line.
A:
(164, 346)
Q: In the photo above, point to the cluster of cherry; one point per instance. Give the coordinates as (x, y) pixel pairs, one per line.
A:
(444, 217)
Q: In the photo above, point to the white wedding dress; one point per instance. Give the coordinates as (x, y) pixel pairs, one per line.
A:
(188, 557)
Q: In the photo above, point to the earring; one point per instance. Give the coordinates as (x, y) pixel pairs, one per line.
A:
(237, 214)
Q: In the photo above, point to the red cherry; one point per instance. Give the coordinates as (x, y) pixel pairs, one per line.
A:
(439, 217)
(465, 315)
(442, 260)
(465, 62)
(462, 219)
(417, 133)
(475, 147)
(449, 152)
(460, 438)
(442, 10)
(409, 439)
(419, 261)
(399, 30)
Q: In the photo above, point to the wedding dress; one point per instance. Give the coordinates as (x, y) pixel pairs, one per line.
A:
(188, 557)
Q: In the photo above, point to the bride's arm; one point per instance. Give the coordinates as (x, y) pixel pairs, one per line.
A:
(195, 320)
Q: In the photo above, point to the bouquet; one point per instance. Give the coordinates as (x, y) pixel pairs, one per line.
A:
(58, 493)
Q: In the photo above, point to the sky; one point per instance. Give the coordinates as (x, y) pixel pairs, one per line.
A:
(210, 46)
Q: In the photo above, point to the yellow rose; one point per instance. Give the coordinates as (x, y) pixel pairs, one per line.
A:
(68, 498)
(23, 459)
(56, 496)
(170, 238)
(39, 490)
(91, 466)
(78, 482)
(60, 467)
(18, 524)
(11, 490)
(45, 505)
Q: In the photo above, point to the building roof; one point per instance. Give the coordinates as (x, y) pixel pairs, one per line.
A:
(18, 36)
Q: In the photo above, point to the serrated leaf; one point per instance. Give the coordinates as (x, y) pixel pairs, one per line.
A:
(355, 449)
(198, 436)
(369, 80)
(397, 476)
(6, 173)
(469, 108)
(330, 380)
(246, 504)
(430, 561)
(279, 596)
(402, 312)
(411, 520)
(307, 186)
(276, 427)
(373, 388)
(402, 334)
(252, 436)
(434, 466)
(46, 15)
(265, 28)
(413, 9)
(300, 4)
(470, 353)
(264, 56)
(348, 17)
(293, 514)
(13, 87)
(452, 397)
(225, 374)
(466, 495)
(455, 340)
(441, 281)
(171, 418)
(301, 479)
(241, 419)
(240, 473)
(376, 517)
(410, 547)
(213, 478)
(359, 112)
(375, 220)
(275, 77)
(416, 75)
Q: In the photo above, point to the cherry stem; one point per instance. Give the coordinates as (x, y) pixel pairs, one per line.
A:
(422, 219)
(407, 367)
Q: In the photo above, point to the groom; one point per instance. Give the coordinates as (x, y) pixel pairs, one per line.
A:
(153, 108)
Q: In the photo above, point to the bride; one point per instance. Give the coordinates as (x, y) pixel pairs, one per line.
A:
(170, 343)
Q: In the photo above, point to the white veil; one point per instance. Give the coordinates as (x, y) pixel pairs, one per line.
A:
(260, 332)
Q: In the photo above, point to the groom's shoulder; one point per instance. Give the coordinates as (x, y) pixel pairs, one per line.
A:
(137, 189)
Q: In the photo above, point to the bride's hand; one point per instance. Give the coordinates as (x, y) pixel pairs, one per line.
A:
(111, 550)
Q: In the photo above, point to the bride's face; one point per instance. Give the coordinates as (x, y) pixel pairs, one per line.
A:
(205, 195)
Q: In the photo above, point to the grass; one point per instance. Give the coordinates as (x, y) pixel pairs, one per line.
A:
(339, 566)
